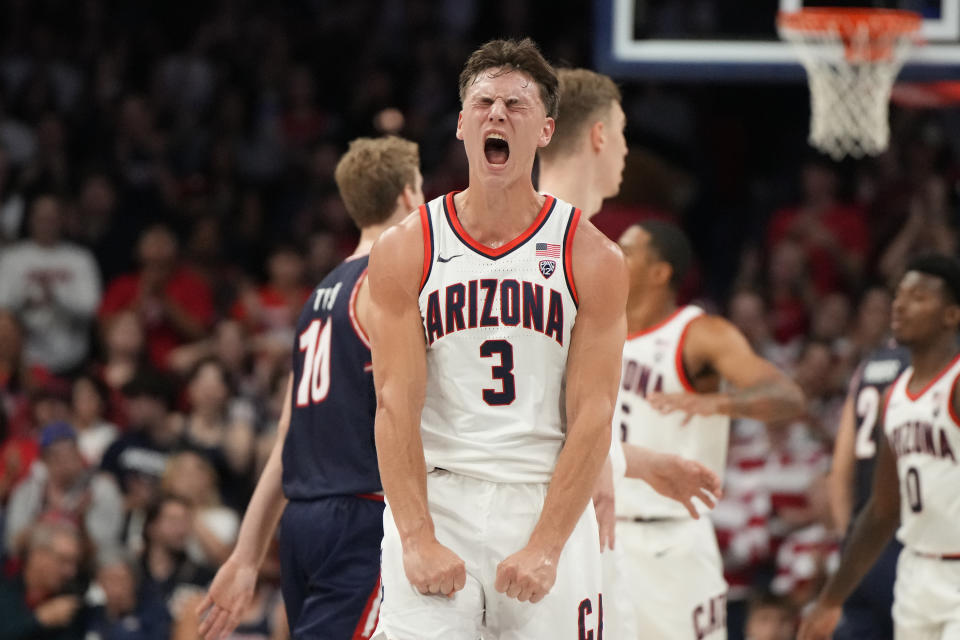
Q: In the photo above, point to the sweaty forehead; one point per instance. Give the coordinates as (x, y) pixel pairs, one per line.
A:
(497, 81)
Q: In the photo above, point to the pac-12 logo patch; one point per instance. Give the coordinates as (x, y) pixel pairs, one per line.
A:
(547, 267)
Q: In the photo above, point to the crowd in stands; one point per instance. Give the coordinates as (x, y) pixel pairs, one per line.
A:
(167, 204)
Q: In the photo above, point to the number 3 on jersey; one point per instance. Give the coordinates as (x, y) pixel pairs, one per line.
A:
(502, 372)
(315, 379)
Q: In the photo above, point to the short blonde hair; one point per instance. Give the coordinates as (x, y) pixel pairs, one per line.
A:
(373, 173)
(585, 97)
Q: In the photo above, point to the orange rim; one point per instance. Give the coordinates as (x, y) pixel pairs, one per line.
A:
(847, 22)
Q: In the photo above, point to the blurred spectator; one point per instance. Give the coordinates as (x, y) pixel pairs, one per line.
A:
(63, 486)
(273, 308)
(124, 358)
(174, 305)
(114, 610)
(98, 224)
(221, 427)
(190, 477)
(771, 617)
(790, 292)
(833, 236)
(748, 312)
(138, 458)
(35, 603)
(809, 554)
(94, 432)
(13, 370)
(54, 287)
(12, 204)
(169, 576)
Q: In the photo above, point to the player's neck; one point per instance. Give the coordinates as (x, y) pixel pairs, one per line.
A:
(649, 310)
(369, 235)
(496, 214)
(570, 180)
(930, 359)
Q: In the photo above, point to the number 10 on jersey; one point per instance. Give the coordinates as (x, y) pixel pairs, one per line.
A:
(315, 376)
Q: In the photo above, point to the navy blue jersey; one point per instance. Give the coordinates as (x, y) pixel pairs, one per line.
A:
(875, 374)
(329, 450)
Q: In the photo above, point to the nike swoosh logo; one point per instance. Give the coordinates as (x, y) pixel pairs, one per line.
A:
(442, 259)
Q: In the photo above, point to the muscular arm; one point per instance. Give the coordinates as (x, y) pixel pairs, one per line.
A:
(593, 374)
(761, 391)
(841, 472)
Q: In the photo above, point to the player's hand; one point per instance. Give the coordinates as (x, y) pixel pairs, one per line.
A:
(604, 505)
(819, 622)
(692, 404)
(228, 598)
(433, 569)
(528, 574)
(682, 480)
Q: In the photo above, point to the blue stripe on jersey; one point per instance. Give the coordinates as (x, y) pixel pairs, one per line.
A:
(329, 448)
(877, 373)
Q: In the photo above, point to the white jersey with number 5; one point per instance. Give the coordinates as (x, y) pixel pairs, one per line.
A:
(924, 433)
(497, 324)
(653, 361)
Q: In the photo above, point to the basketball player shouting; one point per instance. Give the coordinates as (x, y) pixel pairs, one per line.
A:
(916, 482)
(324, 462)
(584, 164)
(498, 323)
(671, 399)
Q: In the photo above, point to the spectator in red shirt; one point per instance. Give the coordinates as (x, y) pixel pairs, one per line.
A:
(834, 236)
(174, 304)
(273, 308)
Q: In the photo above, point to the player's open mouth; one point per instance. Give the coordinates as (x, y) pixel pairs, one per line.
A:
(496, 149)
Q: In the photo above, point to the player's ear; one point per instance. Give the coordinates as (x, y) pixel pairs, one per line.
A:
(598, 136)
(661, 272)
(546, 133)
(952, 316)
(460, 126)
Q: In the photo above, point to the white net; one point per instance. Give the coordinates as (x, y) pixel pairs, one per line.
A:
(851, 70)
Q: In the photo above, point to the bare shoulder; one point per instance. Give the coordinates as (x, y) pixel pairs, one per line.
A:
(598, 265)
(709, 335)
(397, 255)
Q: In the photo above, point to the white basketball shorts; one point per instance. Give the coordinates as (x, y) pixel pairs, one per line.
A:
(926, 598)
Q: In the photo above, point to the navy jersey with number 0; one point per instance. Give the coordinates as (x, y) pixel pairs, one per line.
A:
(876, 373)
(329, 449)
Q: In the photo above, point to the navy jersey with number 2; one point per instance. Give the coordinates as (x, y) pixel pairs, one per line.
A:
(329, 450)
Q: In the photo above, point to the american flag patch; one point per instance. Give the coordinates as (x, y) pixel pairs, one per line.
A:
(546, 250)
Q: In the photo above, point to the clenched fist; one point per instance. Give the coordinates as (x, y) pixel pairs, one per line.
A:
(433, 569)
(528, 574)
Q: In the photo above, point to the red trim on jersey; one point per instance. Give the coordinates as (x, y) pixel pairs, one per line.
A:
(362, 624)
(499, 251)
(953, 390)
(371, 496)
(678, 359)
(352, 307)
(659, 325)
(568, 254)
(943, 372)
(427, 244)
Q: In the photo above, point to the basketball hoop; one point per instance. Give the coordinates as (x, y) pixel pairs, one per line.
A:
(852, 57)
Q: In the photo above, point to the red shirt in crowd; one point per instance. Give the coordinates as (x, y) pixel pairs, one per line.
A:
(847, 225)
(185, 289)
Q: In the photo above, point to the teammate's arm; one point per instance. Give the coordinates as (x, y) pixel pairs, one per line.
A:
(232, 588)
(593, 375)
(674, 477)
(761, 391)
(400, 378)
(841, 471)
(872, 531)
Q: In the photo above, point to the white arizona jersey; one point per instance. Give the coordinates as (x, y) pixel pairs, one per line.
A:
(653, 361)
(924, 433)
(497, 325)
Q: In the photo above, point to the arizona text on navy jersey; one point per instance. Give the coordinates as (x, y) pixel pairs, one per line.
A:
(329, 448)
